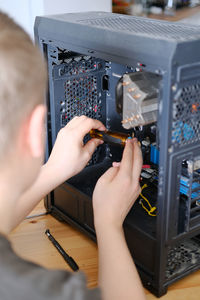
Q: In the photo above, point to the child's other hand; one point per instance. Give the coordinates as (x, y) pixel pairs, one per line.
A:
(118, 188)
(69, 155)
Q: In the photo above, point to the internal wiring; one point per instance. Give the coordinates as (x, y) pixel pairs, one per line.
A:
(151, 209)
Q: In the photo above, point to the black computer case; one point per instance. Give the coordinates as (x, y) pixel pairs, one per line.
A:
(89, 57)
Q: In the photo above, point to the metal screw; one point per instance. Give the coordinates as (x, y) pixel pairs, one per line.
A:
(174, 88)
(170, 150)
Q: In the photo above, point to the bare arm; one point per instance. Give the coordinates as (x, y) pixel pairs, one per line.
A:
(118, 276)
(69, 156)
(113, 197)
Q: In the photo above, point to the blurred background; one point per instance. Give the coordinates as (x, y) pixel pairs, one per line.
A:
(24, 11)
(167, 7)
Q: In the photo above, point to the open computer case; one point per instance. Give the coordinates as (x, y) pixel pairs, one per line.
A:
(142, 77)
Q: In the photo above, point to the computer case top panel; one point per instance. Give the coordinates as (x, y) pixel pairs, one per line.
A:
(122, 36)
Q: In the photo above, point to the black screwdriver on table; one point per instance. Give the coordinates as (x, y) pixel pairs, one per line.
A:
(70, 261)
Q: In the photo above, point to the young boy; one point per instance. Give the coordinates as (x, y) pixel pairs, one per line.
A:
(24, 181)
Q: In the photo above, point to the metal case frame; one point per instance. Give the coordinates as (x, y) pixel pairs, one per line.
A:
(88, 48)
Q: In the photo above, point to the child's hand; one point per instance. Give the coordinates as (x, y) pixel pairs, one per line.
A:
(118, 188)
(69, 155)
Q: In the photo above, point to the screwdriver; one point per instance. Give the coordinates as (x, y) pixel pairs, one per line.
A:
(110, 137)
(69, 260)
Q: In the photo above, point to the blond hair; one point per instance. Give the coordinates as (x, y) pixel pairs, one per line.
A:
(22, 79)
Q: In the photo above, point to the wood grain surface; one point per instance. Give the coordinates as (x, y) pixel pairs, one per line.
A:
(30, 242)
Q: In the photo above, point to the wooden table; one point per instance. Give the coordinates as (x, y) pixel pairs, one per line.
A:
(179, 14)
(30, 242)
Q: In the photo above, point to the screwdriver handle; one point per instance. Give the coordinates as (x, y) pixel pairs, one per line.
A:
(110, 137)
